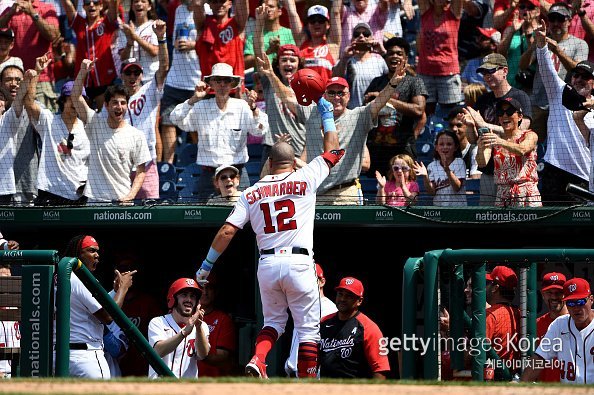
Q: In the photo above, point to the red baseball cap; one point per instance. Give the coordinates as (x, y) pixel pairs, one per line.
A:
(576, 288)
(319, 271)
(553, 280)
(352, 285)
(491, 33)
(288, 49)
(89, 241)
(337, 81)
(503, 276)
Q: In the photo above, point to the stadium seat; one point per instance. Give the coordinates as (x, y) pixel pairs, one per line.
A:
(423, 199)
(254, 152)
(473, 191)
(167, 172)
(187, 155)
(369, 188)
(425, 152)
(168, 190)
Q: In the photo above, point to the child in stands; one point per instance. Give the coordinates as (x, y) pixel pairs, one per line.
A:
(399, 187)
(444, 177)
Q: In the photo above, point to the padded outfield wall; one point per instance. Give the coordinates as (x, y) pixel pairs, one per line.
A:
(370, 243)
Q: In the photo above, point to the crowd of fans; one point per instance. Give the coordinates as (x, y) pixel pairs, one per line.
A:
(128, 78)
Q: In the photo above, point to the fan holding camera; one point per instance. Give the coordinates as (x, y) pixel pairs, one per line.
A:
(360, 63)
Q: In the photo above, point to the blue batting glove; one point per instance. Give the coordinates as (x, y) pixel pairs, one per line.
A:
(326, 111)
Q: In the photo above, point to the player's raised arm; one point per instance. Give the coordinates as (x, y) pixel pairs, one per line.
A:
(79, 103)
(332, 151)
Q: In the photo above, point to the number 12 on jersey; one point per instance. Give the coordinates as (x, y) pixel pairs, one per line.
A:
(284, 221)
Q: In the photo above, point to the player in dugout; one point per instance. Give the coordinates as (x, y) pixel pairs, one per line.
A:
(569, 338)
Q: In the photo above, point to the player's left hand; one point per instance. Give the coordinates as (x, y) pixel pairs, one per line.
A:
(13, 245)
(203, 272)
(325, 108)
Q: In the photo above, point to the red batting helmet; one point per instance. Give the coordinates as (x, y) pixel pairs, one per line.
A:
(177, 286)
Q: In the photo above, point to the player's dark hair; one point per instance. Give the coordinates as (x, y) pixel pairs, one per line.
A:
(458, 153)
(114, 90)
(398, 42)
(73, 248)
(279, 3)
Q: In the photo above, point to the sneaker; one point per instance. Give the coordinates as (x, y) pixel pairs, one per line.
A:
(256, 368)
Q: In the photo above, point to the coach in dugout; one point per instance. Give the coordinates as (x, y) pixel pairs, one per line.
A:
(503, 319)
(570, 338)
(552, 297)
(349, 345)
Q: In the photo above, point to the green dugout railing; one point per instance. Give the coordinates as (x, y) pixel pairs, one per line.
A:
(426, 271)
(37, 309)
(65, 269)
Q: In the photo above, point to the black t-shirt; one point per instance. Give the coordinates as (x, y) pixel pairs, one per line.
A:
(343, 352)
(468, 47)
(394, 128)
(485, 104)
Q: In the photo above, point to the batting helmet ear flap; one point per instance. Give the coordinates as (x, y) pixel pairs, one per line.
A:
(177, 286)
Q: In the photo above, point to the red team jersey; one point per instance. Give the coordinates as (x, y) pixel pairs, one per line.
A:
(503, 321)
(318, 59)
(220, 44)
(549, 375)
(94, 43)
(222, 336)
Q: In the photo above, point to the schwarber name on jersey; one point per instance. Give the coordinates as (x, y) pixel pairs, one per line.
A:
(281, 207)
(573, 348)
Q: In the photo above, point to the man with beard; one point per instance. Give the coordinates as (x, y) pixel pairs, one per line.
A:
(567, 159)
(569, 338)
(116, 147)
(180, 337)
(143, 107)
(349, 345)
(552, 295)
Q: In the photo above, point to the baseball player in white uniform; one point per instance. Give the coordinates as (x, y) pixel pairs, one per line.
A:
(281, 209)
(10, 335)
(570, 338)
(175, 337)
(327, 307)
(87, 316)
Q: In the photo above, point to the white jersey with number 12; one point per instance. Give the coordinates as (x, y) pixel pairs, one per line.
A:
(281, 207)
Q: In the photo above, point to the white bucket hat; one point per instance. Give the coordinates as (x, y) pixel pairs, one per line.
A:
(223, 70)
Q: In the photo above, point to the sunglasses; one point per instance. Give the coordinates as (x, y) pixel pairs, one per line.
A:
(490, 71)
(135, 72)
(336, 93)
(226, 177)
(69, 141)
(317, 21)
(556, 18)
(583, 76)
(225, 80)
(528, 7)
(398, 168)
(508, 111)
(576, 302)
(88, 2)
(365, 33)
